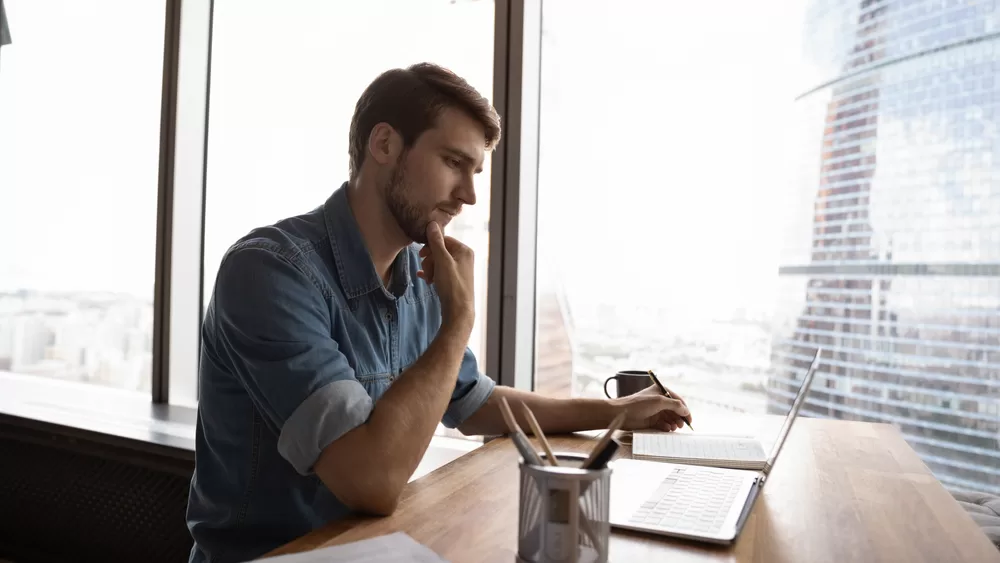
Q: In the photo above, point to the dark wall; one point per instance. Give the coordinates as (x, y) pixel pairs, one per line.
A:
(80, 498)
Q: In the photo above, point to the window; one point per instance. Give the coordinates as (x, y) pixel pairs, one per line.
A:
(652, 255)
(79, 150)
(279, 118)
(662, 251)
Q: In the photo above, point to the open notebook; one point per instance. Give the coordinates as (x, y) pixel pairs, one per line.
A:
(736, 452)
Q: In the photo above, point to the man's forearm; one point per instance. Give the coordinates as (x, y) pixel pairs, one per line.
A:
(554, 415)
(405, 418)
(378, 457)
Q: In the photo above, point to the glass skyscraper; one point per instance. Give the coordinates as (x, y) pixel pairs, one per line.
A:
(892, 259)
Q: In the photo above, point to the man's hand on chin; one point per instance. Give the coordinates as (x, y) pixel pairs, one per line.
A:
(649, 409)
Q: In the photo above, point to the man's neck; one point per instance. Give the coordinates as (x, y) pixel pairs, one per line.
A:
(379, 229)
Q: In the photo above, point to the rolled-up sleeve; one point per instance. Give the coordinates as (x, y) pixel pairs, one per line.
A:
(273, 323)
(471, 392)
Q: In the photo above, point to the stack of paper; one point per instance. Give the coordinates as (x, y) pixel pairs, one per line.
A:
(393, 548)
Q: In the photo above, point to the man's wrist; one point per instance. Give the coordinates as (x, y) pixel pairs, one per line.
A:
(595, 413)
(458, 330)
(612, 408)
(460, 323)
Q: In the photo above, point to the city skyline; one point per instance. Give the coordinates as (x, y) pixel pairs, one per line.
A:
(901, 291)
(101, 338)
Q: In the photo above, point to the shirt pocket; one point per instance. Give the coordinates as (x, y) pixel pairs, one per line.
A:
(376, 384)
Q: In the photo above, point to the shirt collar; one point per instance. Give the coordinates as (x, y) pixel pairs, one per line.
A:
(350, 253)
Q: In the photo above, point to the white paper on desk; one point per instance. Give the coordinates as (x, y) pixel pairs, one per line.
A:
(392, 548)
(688, 432)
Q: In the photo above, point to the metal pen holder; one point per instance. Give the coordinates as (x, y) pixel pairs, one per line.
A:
(563, 512)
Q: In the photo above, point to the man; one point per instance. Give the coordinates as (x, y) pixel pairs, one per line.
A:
(333, 345)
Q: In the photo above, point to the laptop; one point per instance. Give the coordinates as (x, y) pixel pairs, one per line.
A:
(696, 502)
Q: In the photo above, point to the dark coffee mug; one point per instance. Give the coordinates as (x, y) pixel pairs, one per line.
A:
(628, 382)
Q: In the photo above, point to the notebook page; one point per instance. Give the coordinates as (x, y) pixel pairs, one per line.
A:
(392, 548)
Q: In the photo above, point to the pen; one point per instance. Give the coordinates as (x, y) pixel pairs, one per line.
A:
(667, 394)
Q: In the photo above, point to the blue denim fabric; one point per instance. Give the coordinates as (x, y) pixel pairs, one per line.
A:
(299, 341)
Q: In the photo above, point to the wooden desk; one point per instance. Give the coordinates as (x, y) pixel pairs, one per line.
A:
(841, 491)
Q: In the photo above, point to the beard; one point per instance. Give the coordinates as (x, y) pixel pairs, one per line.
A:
(412, 220)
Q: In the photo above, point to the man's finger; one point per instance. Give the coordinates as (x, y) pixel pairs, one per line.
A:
(676, 406)
(454, 245)
(427, 267)
(681, 399)
(664, 425)
(435, 238)
(676, 396)
(651, 390)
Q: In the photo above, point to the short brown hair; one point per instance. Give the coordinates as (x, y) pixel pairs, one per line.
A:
(410, 100)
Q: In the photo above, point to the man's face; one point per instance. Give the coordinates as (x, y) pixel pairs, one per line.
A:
(434, 178)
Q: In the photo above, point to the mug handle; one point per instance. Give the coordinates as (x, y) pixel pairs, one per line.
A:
(615, 377)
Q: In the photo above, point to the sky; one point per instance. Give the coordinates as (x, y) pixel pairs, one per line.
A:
(664, 133)
(79, 133)
(665, 139)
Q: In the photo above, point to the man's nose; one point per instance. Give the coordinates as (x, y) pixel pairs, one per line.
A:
(467, 191)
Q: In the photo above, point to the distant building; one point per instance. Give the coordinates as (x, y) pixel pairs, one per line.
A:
(553, 351)
(31, 340)
(895, 269)
(78, 336)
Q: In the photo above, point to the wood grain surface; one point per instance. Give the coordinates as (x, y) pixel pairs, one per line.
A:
(841, 491)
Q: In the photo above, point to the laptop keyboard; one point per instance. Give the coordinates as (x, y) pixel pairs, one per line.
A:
(691, 499)
(698, 448)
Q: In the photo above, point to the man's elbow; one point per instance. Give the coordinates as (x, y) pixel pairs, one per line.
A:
(480, 423)
(364, 483)
(374, 497)
(381, 505)
(470, 428)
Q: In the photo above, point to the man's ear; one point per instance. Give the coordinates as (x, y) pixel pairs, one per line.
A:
(384, 144)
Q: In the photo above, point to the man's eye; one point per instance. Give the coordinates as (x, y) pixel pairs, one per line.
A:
(453, 162)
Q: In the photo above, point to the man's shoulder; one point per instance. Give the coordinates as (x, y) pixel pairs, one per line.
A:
(294, 245)
(293, 238)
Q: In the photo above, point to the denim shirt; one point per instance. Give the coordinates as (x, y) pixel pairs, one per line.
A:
(299, 341)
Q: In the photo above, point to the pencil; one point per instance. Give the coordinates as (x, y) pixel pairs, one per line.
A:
(666, 393)
(517, 435)
(536, 429)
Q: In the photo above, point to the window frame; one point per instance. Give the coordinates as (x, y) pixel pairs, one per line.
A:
(179, 295)
(178, 291)
(510, 336)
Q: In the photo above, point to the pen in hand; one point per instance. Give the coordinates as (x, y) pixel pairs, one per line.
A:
(667, 394)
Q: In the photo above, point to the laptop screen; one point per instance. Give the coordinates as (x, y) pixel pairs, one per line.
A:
(800, 399)
(4, 30)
